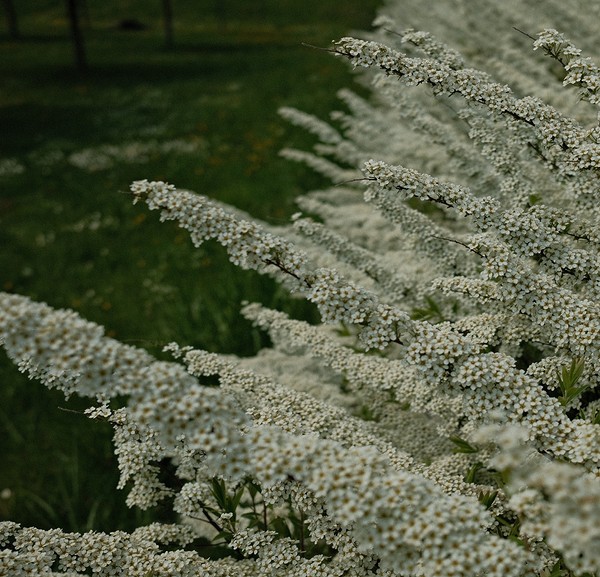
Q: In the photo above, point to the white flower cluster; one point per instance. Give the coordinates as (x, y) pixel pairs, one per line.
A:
(99, 158)
(394, 286)
(10, 167)
(554, 500)
(106, 156)
(36, 552)
(580, 71)
(169, 410)
(246, 243)
(444, 418)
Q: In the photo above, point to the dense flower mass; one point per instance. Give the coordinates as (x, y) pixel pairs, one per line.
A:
(444, 417)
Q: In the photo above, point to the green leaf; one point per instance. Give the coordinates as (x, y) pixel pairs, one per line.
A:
(463, 446)
(253, 489)
(235, 500)
(211, 510)
(572, 374)
(556, 570)
(366, 413)
(225, 535)
(219, 492)
(567, 380)
(281, 527)
(472, 472)
(254, 519)
(487, 498)
(430, 312)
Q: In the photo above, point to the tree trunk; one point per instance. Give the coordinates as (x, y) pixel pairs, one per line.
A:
(168, 22)
(76, 36)
(84, 10)
(11, 19)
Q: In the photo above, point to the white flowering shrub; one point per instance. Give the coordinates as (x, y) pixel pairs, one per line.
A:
(444, 418)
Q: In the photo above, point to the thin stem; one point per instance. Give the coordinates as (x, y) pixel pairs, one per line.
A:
(354, 180)
(458, 242)
(254, 504)
(301, 530)
(265, 515)
(71, 411)
(524, 33)
(210, 520)
(319, 48)
(282, 268)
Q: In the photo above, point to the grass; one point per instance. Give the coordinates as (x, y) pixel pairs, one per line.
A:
(70, 238)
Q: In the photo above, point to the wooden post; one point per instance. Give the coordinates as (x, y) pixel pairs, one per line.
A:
(76, 36)
(168, 22)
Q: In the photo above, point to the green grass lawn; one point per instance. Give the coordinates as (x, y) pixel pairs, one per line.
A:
(202, 116)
